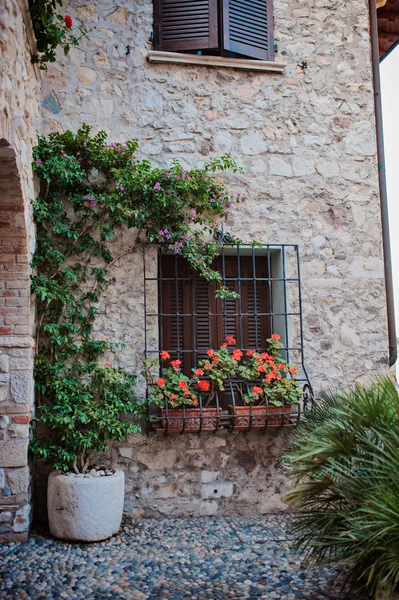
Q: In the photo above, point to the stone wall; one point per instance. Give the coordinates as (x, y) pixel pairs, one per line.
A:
(307, 141)
(19, 121)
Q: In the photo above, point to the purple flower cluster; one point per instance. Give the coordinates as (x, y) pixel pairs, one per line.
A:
(175, 245)
(93, 201)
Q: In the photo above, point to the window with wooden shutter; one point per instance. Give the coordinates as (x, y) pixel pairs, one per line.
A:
(224, 27)
(185, 25)
(247, 28)
(192, 319)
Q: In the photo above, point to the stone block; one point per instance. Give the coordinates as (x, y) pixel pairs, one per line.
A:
(4, 421)
(253, 143)
(2, 479)
(126, 452)
(22, 519)
(208, 476)
(20, 386)
(157, 460)
(4, 379)
(278, 166)
(18, 480)
(361, 139)
(208, 509)
(4, 363)
(302, 166)
(51, 104)
(13, 453)
(5, 517)
(168, 491)
(86, 75)
(118, 16)
(19, 431)
(217, 490)
(88, 13)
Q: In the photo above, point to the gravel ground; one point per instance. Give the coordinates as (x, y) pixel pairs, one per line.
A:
(172, 558)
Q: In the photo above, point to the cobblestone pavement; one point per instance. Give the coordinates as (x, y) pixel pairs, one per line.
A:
(174, 558)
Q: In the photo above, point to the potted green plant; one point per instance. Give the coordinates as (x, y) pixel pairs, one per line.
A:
(184, 406)
(268, 389)
(85, 409)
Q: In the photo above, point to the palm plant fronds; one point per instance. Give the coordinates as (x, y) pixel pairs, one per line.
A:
(344, 462)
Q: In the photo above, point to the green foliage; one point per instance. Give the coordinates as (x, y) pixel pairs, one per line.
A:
(52, 30)
(274, 378)
(345, 464)
(265, 376)
(173, 388)
(88, 188)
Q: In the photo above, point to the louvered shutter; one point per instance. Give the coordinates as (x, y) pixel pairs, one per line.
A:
(254, 304)
(185, 25)
(192, 319)
(248, 28)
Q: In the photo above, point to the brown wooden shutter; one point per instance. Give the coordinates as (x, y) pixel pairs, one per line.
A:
(185, 25)
(208, 320)
(248, 27)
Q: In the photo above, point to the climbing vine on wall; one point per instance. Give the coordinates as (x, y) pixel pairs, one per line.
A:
(88, 188)
(52, 30)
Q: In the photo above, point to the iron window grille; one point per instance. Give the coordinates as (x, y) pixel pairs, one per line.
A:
(267, 279)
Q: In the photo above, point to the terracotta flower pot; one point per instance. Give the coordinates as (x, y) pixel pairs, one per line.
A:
(193, 422)
(276, 416)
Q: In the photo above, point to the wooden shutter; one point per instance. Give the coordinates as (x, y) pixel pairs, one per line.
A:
(185, 25)
(208, 320)
(248, 28)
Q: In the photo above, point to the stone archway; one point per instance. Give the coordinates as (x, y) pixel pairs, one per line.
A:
(16, 347)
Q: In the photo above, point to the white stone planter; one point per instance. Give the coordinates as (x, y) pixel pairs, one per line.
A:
(85, 509)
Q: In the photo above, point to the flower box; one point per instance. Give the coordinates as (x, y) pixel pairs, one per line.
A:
(260, 417)
(192, 420)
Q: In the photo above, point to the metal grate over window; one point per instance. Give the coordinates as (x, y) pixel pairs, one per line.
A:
(184, 317)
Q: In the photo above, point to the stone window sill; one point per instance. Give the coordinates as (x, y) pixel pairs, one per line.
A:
(215, 61)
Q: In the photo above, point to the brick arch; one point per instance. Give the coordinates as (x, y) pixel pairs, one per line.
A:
(15, 343)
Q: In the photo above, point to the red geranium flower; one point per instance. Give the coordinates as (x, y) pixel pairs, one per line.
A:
(251, 353)
(165, 355)
(187, 393)
(68, 21)
(275, 336)
(237, 354)
(215, 360)
(230, 340)
(173, 396)
(210, 352)
(199, 372)
(261, 369)
(182, 384)
(208, 367)
(271, 376)
(175, 363)
(293, 371)
(204, 385)
(257, 390)
(161, 382)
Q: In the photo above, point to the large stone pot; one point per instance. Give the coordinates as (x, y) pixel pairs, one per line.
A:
(87, 509)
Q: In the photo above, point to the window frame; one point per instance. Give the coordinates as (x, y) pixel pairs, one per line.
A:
(218, 42)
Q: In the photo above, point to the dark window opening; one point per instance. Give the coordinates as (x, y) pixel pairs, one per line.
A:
(215, 27)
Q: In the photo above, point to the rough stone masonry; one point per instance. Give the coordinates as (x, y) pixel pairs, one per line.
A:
(19, 122)
(307, 141)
